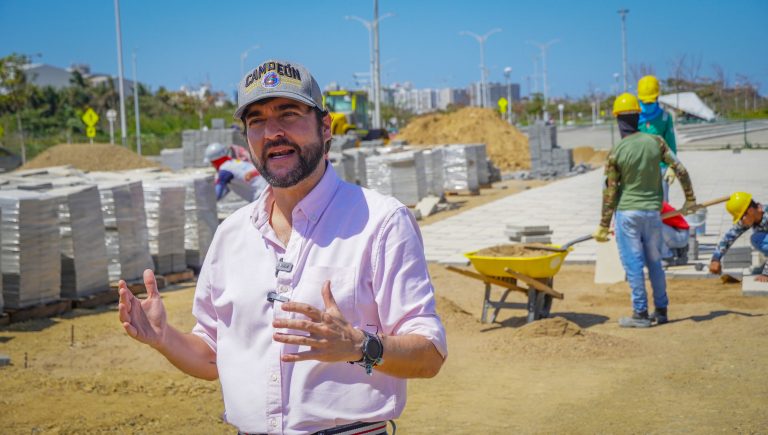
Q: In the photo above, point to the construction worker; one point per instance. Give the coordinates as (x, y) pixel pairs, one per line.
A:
(234, 174)
(675, 232)
(315, 274)
(655, 120)
(633, 191)
(746, 214)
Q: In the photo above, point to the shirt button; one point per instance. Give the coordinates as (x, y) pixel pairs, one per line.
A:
(274, 377)
(282, 288)
(272, 422)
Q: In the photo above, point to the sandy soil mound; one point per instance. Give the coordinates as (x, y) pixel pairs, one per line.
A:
(553, 327)
(590, 156)
(506, 146)
(90, 157)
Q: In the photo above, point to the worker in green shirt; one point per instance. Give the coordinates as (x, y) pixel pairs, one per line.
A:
(633, 191)
(655, 120)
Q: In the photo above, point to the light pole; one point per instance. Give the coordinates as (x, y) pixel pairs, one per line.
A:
(560, 108)
(507, 73)
(543, 48)
(243, 55)
(123, 133)
(136, 104)
(623, 13)
(481, 40)
(373, 27)
(616, 80)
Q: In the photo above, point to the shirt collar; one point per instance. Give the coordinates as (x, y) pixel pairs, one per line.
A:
(312, 206)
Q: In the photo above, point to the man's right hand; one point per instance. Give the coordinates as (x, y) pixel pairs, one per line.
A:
(601, 234)
(144, 320)
(714, 267)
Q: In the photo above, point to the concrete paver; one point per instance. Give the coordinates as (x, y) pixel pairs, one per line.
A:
(571, 207)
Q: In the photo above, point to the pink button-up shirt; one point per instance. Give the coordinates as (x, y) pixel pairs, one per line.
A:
(370, 248)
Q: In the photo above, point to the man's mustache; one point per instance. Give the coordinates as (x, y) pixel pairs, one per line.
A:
(279, 142)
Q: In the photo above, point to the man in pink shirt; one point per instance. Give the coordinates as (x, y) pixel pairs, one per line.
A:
(314, 303)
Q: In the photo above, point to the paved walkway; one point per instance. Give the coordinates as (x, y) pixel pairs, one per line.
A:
(571, 207)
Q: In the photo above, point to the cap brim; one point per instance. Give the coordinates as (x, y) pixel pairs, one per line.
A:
(284, 94)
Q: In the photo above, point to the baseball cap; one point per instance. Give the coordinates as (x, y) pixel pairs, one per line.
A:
(278, 78)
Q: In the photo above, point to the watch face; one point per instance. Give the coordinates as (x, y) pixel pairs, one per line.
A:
(373, 349)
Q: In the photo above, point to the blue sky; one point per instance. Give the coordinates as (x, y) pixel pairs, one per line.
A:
(190, 42)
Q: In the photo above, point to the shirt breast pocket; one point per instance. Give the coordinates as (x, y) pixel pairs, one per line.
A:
(343, 286)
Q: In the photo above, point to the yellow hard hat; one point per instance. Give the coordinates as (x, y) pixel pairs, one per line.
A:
(648, 89)
(737, 204)
(625, 103)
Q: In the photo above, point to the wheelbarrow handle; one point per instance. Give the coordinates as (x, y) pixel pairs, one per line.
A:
(583, 238)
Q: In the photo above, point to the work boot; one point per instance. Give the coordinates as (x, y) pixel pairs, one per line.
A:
(659, 316)
(638, 320)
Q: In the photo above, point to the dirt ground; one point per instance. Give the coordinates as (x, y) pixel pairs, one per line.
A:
(577, 372)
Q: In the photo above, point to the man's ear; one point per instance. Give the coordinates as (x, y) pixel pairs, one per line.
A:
(327, 127)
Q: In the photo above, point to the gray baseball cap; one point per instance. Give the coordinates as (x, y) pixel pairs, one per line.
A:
(278, 78)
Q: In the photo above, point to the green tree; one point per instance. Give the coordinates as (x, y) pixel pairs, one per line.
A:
(15, 91)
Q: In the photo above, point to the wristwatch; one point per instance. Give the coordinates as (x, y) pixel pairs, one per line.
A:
(373, 351)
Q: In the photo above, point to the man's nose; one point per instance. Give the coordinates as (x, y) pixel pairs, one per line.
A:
(273, 128)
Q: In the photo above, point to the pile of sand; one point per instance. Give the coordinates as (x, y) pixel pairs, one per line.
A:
(506, 146)
(90, 157)
(552, 327)
(590, 156)
(515, 250)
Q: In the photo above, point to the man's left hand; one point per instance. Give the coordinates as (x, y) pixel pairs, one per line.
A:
(331, 338)
(669, 176)
(761, 278)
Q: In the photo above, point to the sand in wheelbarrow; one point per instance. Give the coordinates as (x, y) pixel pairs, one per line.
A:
(513, 250)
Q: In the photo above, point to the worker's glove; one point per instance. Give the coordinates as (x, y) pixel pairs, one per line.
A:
(690, 206)
(601, 234)
(669, 176)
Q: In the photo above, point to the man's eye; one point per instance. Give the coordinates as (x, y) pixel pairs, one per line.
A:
(255, 121)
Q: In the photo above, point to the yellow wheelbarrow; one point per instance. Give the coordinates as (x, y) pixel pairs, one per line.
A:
(536, 273)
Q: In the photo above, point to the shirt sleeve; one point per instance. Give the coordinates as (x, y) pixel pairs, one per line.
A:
(670, 158)
(401, 283)
(728, 239)
(202, 306)
(610, 191)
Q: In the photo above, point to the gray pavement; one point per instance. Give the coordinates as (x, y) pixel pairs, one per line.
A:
(571, 207)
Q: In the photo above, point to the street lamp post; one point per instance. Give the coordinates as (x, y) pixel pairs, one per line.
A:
(481, 40)
(543, 48)
(507, 74)
(123, 132)
(373, 46)
(616, 80)
(623, 13)
(243, 55)
(136, 105)
(560, 108)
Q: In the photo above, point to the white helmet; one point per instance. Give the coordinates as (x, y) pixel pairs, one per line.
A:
(214, 151)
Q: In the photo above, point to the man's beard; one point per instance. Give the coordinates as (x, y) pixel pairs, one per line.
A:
(308, 159)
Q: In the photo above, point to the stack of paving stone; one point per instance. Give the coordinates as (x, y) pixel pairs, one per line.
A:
(433, 168)
(342, 142)
(400, 174)
(164, 200)
(194, 143)
(460, 168)
(737, 257)
(528, 233)
(358, 156)
(547, 159)
(344, 165)
(200, 216)
(172, 158)
(31, 266)
(83, 248)
(481, 157)
(125, 223)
